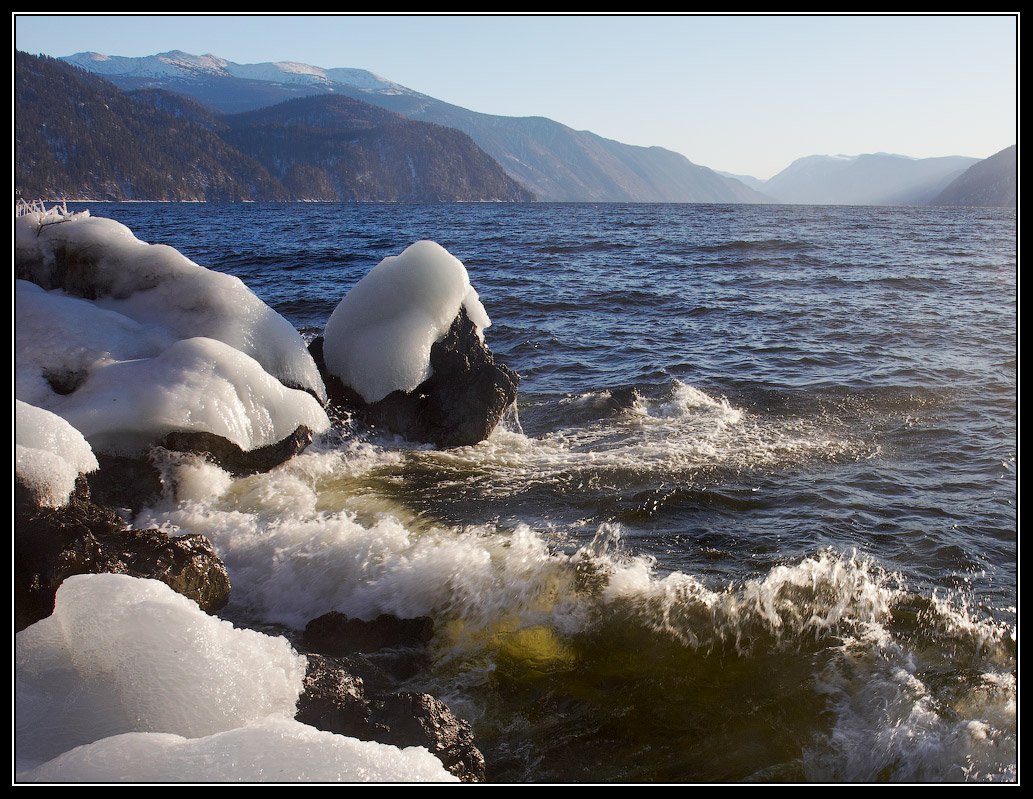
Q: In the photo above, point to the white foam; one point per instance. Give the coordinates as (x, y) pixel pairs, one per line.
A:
(672, 437)
(500, 594)
(687, 400)
(126, 655)
(292, 558)
(892, 725)
(49, 454)
(378, 338)
(271, 750)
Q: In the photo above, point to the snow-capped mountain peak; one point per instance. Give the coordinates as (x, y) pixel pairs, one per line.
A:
(180, 65)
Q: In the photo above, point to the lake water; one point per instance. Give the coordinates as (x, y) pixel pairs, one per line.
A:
(753, 518)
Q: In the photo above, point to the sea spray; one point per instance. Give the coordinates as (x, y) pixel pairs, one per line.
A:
(515, 604)
(852, 529)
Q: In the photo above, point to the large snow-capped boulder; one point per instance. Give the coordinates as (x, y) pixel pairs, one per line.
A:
(153, 284)
(136, 346)
(196, 384)
(405, 350)
(128, 681)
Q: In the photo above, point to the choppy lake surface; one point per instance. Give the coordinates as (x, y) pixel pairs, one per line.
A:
(754, 517)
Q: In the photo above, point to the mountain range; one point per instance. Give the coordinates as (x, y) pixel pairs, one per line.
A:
(180, 126)
(870, 179)
(553, 161)
(77, 135)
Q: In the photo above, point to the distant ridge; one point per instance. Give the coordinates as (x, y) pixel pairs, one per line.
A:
(337, 148)
(990, 182)
(870, 179)
(79, 136)
(553, 161)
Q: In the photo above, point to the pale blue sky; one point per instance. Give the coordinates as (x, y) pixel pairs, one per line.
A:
(745, 94)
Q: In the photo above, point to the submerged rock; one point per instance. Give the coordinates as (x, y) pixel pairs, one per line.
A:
(336, 701)
(82, 537)
(335, 634)
(458, 405)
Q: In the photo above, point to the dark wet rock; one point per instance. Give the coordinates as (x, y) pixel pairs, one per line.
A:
(458, 405)
(82, 537)
(335, 634)
(408, 719)
(189, 564)
(384, 671)
(232, 458)
(335, 700)
(124, 482)
(133, 482)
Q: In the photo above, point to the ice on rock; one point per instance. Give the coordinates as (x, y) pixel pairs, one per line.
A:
(49, 454)
(120, 654)
(129, 681)
(197, 384)
(378, 339)
(150, 343)
(273, 750)
(153, 284)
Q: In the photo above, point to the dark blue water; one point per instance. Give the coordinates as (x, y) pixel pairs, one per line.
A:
(801, 421)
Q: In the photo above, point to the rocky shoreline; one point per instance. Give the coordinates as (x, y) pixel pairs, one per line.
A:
(355, 668)
(345, 692)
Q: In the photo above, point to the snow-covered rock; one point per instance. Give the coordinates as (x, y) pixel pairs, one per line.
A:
(130, 342)
(120, 654)
(405, 351)
(197, 384)
(272, 750)
(153, 284)
(60, 339)
(49, 454)
(378, 338)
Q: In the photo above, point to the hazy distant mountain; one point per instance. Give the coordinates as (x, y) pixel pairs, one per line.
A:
(873, 179)
(335, 148)
(565, 165)
(552, 160)
(747, 180)
(990, 182)
(78, 136)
